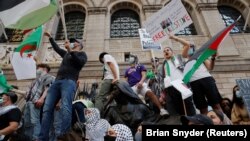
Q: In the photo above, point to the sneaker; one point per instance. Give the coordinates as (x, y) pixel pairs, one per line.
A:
(164, 112)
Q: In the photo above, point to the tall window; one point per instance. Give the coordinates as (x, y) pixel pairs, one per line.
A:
(229, 15)
(13, 35)
(124, 23)
(74, 26)
(190, 30)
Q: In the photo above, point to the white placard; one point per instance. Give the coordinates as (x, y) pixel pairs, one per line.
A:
(170, 19)
(167, 82)
(147, 42)
(182, 88)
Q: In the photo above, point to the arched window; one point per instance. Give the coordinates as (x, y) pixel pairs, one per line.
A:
(74, 26)
(190, 30)
(124, 23)
(229, 15)
(13, 35)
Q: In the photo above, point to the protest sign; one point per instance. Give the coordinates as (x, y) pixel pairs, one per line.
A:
(147, 42)
(170, 19)
(182, 88)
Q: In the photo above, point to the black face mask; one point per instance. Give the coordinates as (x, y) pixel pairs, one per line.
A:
(109, 138)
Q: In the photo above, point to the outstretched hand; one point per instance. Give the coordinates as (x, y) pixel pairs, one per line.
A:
(171, 36)
(114, 80)
(36, 59)
(67, 45)
(47, 34)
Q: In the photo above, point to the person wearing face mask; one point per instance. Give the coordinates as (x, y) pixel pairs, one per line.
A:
(153, 79)
(10, 115)
(96, 127)
(111, 74)
(64, 87)
(239, 114)
(205, 91)
(35, 98)
(135, 75)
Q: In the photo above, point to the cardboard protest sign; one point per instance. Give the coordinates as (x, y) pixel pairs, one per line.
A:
(170, 19)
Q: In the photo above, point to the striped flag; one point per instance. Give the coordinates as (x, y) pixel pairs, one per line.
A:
(26, 14)
(22, 61)
(207, 50)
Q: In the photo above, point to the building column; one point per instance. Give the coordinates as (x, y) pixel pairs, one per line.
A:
(95, 32)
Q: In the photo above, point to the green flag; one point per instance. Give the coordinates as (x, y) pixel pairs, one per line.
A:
(22, 61)
(26, 14)
(4, 86)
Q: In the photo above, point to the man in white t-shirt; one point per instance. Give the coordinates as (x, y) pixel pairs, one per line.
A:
(111, 74)
(205, 91)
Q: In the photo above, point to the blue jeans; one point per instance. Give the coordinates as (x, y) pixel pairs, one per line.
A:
(55, 130)
(61, 89)
(79, 108)
(32, 120)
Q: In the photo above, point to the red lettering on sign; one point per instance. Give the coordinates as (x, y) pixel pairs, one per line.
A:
(159, 35)
(187, 17)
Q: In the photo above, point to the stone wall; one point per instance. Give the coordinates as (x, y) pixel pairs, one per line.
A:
(225, 73)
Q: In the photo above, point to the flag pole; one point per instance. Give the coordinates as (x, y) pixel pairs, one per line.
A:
(36, 58)
(248, 15)
(4, 33)
(61, 11)
(153, 56)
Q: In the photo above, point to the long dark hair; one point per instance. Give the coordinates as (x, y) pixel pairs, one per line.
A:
(236, 100)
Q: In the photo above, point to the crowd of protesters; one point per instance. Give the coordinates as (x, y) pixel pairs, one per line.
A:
(51, 110)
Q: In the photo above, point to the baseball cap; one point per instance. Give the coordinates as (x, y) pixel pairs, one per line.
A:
(13, 96)
(197, 119)
(72, 40)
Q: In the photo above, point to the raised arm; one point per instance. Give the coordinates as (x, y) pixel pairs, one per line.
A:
(60, 51)
(185, 43)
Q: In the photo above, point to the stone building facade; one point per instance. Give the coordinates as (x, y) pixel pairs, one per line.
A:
(103, 27)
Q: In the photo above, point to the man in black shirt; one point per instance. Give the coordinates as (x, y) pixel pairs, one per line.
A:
(10, 116)
(64, 87)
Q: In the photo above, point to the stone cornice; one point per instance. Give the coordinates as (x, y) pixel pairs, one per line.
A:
(97, 10)
(151, 8)
(206, 6)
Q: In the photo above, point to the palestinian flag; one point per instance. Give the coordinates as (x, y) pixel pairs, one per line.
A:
(22, 61)
(207, 50)
(4, 86)
(26, 14)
